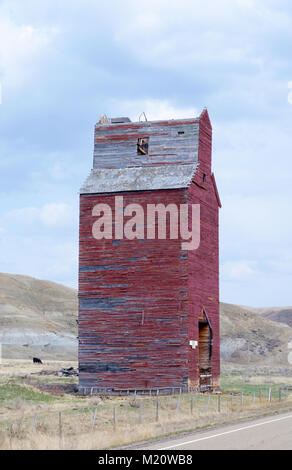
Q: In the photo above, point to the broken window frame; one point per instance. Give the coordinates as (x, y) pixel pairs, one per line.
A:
(143, 146)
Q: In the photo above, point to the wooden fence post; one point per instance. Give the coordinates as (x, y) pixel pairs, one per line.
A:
(60, 430)
(241, 399)
(140, 412)
(270, 394)
(10, 434)
(93, 419)
(115, 416)
(208, 402)
(253, 397)
(192, 404)
(157, 410)
(177, 406)
(34, 423)
(20, 422)
(280, 394)
(219, 403)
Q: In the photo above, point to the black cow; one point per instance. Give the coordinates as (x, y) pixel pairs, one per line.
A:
(36, 360)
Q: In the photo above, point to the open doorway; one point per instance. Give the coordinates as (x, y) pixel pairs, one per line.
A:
(205, 355)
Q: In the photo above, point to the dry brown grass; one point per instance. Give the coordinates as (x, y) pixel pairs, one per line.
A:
(77, 421)
(22, 400)
(20, 367)
(105, 437)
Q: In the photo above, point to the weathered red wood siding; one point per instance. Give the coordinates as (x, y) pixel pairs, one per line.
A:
(133, 294)
(203, 266)
(140, 299)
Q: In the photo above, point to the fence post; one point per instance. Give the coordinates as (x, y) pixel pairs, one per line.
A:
(10, 434)
(241, 399)
(60, 430)
(280, 394)
(157, 409)
(270, 394)
(93, 419)
(177, 406)
(253, 397)
(192, 404)
(20, 422)
(140, 412)
(34, 423)
(208, 402)
(219, 403)
(115, 416)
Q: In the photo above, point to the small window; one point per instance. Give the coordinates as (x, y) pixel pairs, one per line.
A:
(181, 132)
(204, 177)
(142, 146)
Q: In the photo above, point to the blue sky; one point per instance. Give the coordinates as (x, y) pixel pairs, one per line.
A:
(64, 64)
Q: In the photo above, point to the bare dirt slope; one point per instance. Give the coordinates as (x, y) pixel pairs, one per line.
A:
(248, 337)
(37, 318)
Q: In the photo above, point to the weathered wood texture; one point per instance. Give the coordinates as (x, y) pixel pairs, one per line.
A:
(204, 345)
(115, 146)
(140, 300)
(203, 269)
(133, 294)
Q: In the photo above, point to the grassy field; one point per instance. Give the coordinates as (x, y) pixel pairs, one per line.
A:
(38, 409)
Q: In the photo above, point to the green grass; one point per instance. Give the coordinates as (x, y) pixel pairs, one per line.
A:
(13, 391)
(237, 384)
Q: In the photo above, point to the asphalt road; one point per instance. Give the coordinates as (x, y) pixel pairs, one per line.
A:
(273, 432)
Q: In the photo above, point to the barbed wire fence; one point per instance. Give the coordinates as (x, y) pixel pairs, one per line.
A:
(136, 410)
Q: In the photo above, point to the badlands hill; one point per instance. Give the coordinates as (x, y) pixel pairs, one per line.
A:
(249, 336)
(38, 318)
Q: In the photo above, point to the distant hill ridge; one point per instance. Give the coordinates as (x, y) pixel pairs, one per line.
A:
(38, 318)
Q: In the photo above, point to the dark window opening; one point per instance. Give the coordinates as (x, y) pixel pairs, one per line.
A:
(204, 177)
(180, 132)
(142, 146)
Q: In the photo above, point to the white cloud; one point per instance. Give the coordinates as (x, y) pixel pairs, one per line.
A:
(154, 109)
(20, 47)
(246, 3)
(192, 34)
(238, 270)
(50, 215)
(256, 219)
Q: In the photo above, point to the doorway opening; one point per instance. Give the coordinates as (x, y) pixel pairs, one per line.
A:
(205, 354)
